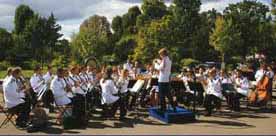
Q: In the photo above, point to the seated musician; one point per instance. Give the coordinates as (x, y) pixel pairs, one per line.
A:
(14, 95)
(110, 96)
(49, 75)
(188, 77)
(260, 73)
(78, 88)
(213, 92)
(228, 90)
(58, 87)
(242, 88)
(84, 76)
(41, 88)
(9, 73)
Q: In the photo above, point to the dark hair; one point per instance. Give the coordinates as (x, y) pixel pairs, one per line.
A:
(107, 74)
(60, 70)
(37, 67)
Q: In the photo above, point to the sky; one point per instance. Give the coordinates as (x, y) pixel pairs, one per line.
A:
(71, 13)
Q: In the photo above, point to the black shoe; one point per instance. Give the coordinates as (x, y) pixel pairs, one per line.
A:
(21, 125)
(31, 129)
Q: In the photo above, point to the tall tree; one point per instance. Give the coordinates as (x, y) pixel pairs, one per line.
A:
(152, 10)
(93, 38)
(187, 20)
(247, 16)
(225, 38)
(6, 44)
(23, 14)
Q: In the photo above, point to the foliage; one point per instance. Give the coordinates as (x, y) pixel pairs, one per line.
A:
(189, 62)
(93, 38)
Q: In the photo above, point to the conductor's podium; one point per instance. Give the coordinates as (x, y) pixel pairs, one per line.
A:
(169, 116)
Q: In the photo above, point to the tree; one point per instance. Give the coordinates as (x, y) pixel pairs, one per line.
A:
(225, 38)
(117, 27)
(93, 38)
(247, 16)
(187, 21)
(6, 44)
(129, 20)
(156, 35)
(152, 10)
(23, 14)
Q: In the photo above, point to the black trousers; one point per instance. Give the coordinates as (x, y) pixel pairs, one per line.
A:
(22, 110)
(211, 102)
(121, 104)
(164, 91)
(78, 110)
(233, 100)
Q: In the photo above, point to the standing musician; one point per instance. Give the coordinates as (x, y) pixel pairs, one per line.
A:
(213, 92)
(164, 68)
(110, 96)
(40, 87)
(14, 98)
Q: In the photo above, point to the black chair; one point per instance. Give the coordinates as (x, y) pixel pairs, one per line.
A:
(9, 115)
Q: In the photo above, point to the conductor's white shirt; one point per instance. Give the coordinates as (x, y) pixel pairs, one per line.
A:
(13, 96)
(58, 86)
(164, 70)
(108, 91)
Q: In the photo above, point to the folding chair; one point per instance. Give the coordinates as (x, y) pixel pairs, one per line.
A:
(9, 116)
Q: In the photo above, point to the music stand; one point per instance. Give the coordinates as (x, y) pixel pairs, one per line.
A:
(196, 87)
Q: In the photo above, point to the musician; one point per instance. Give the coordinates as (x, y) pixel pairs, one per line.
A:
(110, 97)
(49, 75)
(40, 87)
(164, 68)
(9, 73)
(69, 85)
(79, 90)
(242, 88)
(213, 92)
(128, 65)
(188, 77)
(84, 76)
(58, 86)
(76, 81)
(91, 73)
(37, 79)
(260, 73)
(14, 98)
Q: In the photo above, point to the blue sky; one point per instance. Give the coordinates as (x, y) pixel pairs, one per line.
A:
(71, 13)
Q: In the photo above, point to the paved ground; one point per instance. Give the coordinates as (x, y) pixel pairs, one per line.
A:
(225, 122)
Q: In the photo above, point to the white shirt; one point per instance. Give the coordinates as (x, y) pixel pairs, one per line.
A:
(127, 66)
(164, 70)
(243, 84)
(58, 86)
(214, 87)
(259, 75)
(13, 96)
(37, 82)
(123, 84)
(73, 79)
(108, 91)
(48, 77)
